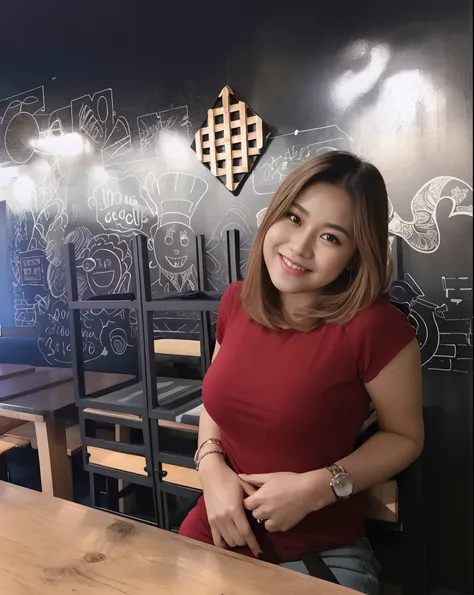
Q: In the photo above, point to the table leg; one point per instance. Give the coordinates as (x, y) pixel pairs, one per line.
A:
(55, 467)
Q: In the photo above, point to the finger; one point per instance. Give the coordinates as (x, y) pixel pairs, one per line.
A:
(244, 529)
(248, 488)
(271, 526)
(227, 536)
(218, 540)
(252, 502)
(256, 480)
(261, 513)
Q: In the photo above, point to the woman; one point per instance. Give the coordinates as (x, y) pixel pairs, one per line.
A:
(305, 346)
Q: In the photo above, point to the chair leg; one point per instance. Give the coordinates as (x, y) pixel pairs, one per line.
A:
(414, 574)
(112, 494)
(93, 490)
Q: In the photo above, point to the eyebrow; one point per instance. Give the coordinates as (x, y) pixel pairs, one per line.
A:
(330, 225)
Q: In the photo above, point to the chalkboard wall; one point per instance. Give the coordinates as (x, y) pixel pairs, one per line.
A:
(391, 81)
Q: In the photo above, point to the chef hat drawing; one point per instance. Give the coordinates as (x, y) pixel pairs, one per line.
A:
(180, 195)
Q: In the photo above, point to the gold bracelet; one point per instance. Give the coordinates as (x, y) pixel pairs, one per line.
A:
(209, 452)
(215, 441)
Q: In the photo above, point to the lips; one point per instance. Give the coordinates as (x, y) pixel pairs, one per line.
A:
(292, 267)
(176, 263)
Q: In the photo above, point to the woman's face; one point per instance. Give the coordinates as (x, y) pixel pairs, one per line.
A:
(312, 245)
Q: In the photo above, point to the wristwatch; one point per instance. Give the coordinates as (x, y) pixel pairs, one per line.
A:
(342, 483)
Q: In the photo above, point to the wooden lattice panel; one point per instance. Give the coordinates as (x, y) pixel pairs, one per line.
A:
(230, 140)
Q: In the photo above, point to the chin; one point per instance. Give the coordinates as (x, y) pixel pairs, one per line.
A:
(288, 284)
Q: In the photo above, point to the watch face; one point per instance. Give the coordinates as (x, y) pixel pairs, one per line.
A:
(343, 485)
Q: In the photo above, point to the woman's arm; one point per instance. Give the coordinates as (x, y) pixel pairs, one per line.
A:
(397, 397)
(209, 429)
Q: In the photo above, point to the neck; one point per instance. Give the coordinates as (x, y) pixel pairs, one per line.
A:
(292, 303)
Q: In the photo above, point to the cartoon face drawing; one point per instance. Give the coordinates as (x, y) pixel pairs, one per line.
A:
(175, 247)
(106, 264)
(102, 271)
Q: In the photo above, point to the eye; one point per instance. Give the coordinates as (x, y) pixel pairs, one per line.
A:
(184, 238)
(330, 238)
(294, 218)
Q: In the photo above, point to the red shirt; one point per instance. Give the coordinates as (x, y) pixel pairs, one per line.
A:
(292, 401)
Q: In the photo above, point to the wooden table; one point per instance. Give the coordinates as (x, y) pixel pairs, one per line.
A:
(49, 409)
(50, 546)
(11, 370)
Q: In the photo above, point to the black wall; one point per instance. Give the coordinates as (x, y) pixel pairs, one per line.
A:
(389, 80)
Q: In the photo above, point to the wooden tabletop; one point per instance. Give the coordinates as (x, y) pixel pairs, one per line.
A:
(30, 383)
(11, 370)
(50, 546)
(54, 400)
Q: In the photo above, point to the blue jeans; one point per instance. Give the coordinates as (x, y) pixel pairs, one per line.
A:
(354, 566)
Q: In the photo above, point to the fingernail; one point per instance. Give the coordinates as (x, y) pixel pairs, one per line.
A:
(261, 556)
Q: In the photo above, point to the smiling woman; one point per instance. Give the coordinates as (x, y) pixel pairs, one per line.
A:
(304, 347)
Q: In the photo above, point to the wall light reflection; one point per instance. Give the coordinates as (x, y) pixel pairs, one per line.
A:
(22, 189)
(174, 147)
(353, 85)
(7, 174)
(66, 145)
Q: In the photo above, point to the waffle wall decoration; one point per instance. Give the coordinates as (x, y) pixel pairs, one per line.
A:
(231, 140)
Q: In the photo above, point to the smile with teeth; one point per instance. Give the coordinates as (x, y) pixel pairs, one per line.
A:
(292, 265)
(176, 263)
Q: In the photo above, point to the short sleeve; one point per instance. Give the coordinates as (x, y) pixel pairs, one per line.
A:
(224, 311)
(376, 335)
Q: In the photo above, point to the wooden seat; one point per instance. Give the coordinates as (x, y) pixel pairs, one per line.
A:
(117, 460)
(184, 347)
(27, 432)
(10, 442)
(383, 502)
(112, 414)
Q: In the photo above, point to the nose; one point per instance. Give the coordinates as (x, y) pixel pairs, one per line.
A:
(302, 244)
(176, 252)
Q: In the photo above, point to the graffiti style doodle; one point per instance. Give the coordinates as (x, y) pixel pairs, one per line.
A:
(106, 263)
(175, 119)
(122, 206)
(422, 232)
(445, 342)
(287, 151)
(174, 241)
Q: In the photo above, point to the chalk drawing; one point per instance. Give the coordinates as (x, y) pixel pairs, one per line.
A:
(445, 339)
(422, 232)
(287, 151)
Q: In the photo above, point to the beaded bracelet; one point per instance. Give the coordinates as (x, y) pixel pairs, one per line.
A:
(209, 452)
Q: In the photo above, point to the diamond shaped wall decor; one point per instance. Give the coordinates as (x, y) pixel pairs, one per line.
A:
(231, 140)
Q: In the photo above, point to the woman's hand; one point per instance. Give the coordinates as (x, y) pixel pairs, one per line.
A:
(223, 494)
(285, 499)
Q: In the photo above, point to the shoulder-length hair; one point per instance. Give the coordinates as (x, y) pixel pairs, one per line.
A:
(370, 273)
